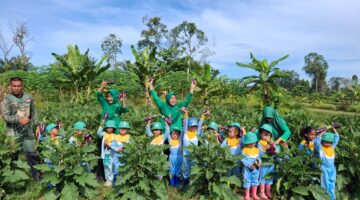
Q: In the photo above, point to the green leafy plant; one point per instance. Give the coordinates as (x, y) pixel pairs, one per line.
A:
(79, 70)
(298, 175)
(13, 173)
(208, 175)
(143, 164)
(266, 80)
(67, 176)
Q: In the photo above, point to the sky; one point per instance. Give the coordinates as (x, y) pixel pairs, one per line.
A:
(268, 28)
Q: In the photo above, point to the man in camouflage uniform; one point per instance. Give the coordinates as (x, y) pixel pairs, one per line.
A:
(19, 113)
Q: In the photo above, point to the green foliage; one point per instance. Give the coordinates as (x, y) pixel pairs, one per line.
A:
(13, 173)
(208, 175)
(295, 174)
(79, 69)
(316, 67)
(143, 163)
(207, 83)
(266, 80)
(348, 159)
(68, 177)
(144, 67)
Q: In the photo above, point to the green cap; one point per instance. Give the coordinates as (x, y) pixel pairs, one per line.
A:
(175, 128)
(50, 127)
(328, 137)
(250, 138)
(79, 126)
(267, 127)
(235, 124)
(110, 124)
(156, 126)
(124, 125)
(213, 125)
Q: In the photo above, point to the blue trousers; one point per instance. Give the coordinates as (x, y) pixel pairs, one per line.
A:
(265, 170)
(251, 178)
(328, 180)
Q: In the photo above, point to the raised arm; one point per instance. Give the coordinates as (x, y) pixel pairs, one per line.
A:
(188, 99)
(167, 132)
(148, 130)
(159, 103)
(100, 132)
(337, 138)
(99, 94)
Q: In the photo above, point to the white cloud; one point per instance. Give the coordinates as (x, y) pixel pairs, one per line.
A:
(268, 28)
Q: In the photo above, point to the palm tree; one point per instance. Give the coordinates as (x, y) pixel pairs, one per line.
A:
(207, 82)
(265, 81)
(79, 69)
(144, 68)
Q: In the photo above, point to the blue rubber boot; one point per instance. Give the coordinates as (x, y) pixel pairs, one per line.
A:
(186, 182)
(173, 181)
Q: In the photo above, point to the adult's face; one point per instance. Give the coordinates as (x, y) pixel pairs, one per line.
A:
(268, 120)
(16, 88)
(173, 100)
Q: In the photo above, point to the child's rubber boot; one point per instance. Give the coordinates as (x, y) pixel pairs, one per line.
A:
(115, 178)
(246, 193)
(268, 190)
(254, 193)
(173, 181)
(262, 192)
(186, 182)
(177, 181)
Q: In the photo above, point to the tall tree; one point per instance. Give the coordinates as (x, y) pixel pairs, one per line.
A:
(191, 40)
(290, 81)
(111, 46)
(355, 79)
(265, 81)
(155, 36)
(316, 67)
(21, 37)
(5, 47)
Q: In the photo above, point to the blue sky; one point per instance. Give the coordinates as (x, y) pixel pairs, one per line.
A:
(268, 28)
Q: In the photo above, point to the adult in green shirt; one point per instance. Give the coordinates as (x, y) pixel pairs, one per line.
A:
(19, 112)
(281, 131)
(111, 103)
(171, 108)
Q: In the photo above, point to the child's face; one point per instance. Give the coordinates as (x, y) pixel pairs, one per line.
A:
(250, 145)
(156, 132)
(311, 135)
(192, 128)
(212, 131)
(326, 144)
(123, 131)
(268, 119)
(109, 98)
(173, 100)
(265, 135)
(109, 130)
(78, 132)
(233, 132)
(54, 132)
(174, 135)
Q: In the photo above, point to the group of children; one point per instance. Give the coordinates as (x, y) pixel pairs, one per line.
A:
(254, 146)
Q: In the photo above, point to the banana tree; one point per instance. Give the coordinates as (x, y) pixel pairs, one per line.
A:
(265, 82)
(144, 68)
(207, 82)
(79, 70)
